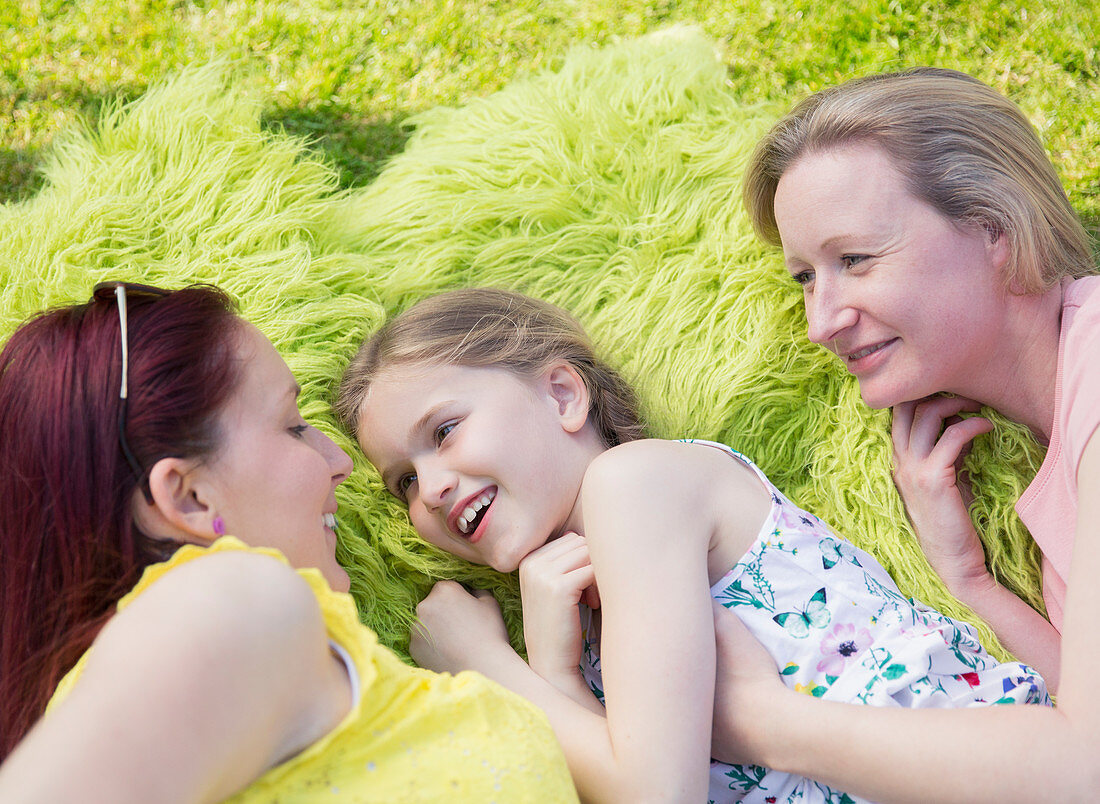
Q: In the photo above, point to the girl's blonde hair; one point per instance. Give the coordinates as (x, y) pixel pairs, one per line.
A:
(488, 327)
(963, 148)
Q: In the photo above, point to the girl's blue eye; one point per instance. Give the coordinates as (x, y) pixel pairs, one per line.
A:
(803, 277)
(850, 260)
(299, 429)
(443, 431)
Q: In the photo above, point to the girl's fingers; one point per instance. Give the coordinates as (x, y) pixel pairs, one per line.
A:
(563, 545)
(567, 553)
(583, 580)
(592, 596)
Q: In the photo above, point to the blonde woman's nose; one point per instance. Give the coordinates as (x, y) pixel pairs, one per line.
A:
(828, 312)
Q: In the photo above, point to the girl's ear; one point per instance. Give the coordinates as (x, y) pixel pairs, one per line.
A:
(182, 509)
(566, 389)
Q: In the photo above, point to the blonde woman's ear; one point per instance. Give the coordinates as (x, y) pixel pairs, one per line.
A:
(181, 509)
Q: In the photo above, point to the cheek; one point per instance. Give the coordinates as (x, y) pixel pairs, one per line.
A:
(426, 526)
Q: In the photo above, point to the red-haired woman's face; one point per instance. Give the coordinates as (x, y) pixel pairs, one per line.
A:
(275, 476)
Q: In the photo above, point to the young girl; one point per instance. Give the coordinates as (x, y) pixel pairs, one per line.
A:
(487, 412)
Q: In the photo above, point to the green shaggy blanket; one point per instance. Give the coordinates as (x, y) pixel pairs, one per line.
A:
(609, 186)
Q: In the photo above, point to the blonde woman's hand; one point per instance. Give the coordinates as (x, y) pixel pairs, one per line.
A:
(747, 692)
(930, 440)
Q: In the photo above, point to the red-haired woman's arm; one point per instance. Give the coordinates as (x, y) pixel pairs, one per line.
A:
(215, 673)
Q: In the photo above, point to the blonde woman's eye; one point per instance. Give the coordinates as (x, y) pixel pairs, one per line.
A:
(850, 260)
(803, 277)
(443, 431)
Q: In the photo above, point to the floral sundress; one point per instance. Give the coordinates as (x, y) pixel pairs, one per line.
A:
(839, 629)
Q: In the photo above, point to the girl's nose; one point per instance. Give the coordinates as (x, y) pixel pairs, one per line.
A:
(436, 485)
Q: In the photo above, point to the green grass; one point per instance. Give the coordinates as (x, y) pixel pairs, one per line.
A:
(347, 73)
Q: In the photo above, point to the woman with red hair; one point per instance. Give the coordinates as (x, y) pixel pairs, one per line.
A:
(180, 663)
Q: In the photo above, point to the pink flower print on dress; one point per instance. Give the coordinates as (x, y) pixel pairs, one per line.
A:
(841, 646)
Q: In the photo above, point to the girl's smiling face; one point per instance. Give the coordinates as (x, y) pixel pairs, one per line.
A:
(911, 302)
(489, 463)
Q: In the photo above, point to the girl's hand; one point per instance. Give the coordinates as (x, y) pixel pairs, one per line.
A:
(553, 580)
(747, 690)
(930, 441)
(458, 630)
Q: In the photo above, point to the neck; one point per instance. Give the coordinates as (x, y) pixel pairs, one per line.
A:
(1018, 381)
(590, 445)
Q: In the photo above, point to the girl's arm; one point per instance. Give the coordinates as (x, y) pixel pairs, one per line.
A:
(647, 510)
(997, 753)
(217, 672)
(926, 453)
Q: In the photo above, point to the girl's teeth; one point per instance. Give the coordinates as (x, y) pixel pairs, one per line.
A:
(467, 516)
(329, 520)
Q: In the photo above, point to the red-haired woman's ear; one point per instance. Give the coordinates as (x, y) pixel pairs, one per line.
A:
(181, 509)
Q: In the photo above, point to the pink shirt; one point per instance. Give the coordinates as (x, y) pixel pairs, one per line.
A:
(1048, 507)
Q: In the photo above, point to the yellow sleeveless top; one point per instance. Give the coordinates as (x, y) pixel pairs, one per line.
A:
(413, 736)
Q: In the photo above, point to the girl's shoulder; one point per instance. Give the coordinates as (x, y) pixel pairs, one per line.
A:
(670, 469)
(643, 458)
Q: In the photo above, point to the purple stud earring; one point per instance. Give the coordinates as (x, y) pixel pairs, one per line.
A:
(219, 526)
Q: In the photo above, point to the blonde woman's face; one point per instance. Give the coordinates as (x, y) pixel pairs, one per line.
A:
(909, 301)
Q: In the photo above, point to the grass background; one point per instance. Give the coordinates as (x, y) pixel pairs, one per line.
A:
(347, 73)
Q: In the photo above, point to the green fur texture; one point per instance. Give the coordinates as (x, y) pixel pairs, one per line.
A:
(610, 186)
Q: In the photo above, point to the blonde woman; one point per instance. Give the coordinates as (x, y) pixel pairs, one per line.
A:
(938, 254)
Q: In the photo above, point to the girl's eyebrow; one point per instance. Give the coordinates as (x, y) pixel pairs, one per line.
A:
(418, 427)
(422, 422)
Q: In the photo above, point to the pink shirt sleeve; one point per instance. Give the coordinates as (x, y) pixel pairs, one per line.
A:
(1049, 505)
(1081, 380)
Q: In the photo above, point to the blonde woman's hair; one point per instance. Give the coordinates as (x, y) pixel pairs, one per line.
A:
(962, 147)
(488, 327)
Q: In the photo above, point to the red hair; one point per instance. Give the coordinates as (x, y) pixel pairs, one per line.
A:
(69, 548)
